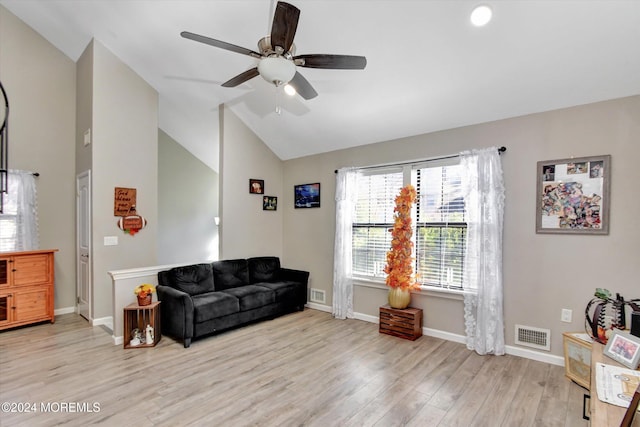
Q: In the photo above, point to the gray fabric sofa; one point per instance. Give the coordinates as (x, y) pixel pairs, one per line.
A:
(202, 299)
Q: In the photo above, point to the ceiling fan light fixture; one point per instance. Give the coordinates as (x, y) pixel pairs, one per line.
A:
(277, 70)
(481, 15)
(290, 90)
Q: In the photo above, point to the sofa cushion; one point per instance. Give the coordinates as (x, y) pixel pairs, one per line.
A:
(214, 304)
(285, 290)
(263, 269)
(192, 279)
(252, 296)
(231, 273)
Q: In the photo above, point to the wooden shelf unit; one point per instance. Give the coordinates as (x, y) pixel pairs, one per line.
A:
(26, 287)
(404, 323)
(139, 316)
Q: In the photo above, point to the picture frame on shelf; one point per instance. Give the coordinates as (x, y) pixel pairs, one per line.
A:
(624, 348)
(577, 358)
(306, 195)
(256, 186)
(269, 203)
(572, 195)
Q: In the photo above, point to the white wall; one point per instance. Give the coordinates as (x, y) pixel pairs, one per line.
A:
(187, 206)
(125, 154)
(84, 108)
(542, 273)
(40, 84)
(245, 229)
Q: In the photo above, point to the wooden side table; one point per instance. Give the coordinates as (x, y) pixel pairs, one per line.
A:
(603, 414)
(139, 316)
(405, 323)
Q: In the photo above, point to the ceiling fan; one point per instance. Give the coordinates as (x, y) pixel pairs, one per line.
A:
(277, 55)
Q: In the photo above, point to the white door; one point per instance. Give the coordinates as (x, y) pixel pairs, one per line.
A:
(83, 231)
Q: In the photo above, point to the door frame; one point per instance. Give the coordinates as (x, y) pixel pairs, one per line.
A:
(86, 174)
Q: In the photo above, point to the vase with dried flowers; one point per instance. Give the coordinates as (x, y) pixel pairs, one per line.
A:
(143, 292)
(399, 268)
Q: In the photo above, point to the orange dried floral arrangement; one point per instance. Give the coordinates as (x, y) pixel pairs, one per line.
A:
(399, 266)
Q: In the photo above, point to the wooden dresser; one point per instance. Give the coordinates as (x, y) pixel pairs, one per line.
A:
(26, 287)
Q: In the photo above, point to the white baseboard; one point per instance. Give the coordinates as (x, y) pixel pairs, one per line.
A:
(107, 321)
(320, 307)
(366, 318)
(448, 336)
(64, 310)
(117, 340)
(535, 355)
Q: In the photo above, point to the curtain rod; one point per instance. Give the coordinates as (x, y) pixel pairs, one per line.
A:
(500, 151)
(36, 174)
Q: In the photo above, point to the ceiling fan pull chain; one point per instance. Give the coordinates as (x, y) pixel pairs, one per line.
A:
(278, 108)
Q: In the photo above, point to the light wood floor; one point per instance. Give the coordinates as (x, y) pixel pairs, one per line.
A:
(301, 369)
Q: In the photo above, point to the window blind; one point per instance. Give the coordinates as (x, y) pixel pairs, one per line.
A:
(376, 192)
(440, 226)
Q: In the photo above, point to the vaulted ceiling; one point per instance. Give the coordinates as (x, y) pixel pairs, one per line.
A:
(428, 68)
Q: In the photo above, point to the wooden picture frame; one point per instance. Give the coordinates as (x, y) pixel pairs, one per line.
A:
(306, 195)
(624, 348)
(577, 358)
(572, 195)
(256, 186)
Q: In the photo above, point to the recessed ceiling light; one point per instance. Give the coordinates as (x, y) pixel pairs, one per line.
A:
(481, 15)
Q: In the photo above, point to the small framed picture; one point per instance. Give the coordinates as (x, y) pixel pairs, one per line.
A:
(307, 195)
(256, 186)
(624, 348)
(269, 203)
(577, 358)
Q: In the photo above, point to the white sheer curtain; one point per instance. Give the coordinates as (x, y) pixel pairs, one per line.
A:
(483, 189)
(342, 256)
(20, 218)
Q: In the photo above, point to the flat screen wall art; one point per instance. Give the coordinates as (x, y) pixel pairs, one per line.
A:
(307, 195)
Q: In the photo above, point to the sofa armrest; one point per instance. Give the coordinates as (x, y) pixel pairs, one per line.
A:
(176, 313)
(301, 277)
(294, 275)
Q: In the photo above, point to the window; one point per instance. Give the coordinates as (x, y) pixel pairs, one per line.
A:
(373, 219)
(439, 227)
(440, 232)
(8, 222)
(19, 220)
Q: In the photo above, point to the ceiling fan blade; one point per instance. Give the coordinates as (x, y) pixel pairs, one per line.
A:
(303, 87)
(241, 78)
(334, 62)
(220, 44)
(285, 23)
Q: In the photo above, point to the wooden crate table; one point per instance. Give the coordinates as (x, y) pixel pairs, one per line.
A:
(139, 316)
(405, 323)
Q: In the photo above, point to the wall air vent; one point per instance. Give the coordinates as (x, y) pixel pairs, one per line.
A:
(317, 295)
(533, 337)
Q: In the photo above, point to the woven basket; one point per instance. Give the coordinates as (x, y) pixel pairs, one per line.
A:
(146, 300)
